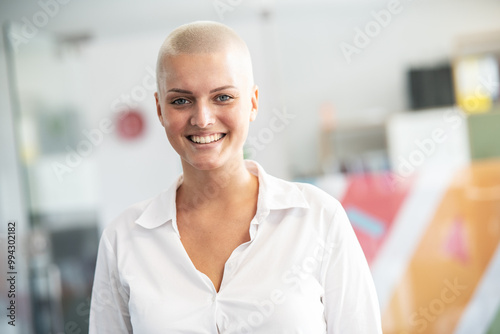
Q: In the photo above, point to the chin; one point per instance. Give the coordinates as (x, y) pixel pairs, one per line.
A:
(205, 164)
(214, 161)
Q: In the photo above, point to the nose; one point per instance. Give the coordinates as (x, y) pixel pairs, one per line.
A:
(202, 116)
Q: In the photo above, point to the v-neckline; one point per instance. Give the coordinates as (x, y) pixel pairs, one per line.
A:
(204, 276)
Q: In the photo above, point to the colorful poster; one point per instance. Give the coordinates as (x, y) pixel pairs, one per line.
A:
(451, 258)
(371, 202)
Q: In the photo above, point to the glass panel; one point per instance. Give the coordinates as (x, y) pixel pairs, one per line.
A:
(60, 177)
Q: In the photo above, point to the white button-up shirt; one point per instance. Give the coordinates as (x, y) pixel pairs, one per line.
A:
(303, 271)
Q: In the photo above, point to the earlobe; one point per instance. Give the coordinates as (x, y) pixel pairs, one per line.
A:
(158, 109)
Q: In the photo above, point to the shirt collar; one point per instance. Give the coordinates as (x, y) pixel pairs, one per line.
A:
(274, 194)
(162, 207)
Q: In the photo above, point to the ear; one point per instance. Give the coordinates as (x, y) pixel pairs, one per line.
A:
(158, 109)
(255, 103)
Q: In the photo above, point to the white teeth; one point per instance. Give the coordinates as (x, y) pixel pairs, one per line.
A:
(206, 139)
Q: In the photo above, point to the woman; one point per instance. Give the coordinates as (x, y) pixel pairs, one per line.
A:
(227, 248)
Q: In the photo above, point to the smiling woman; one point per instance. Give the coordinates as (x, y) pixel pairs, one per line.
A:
(203, 95)
(227, 248)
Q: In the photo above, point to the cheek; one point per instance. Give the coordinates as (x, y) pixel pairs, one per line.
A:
(174, 122)
(239, 125)
(174, 128)
(233, 119)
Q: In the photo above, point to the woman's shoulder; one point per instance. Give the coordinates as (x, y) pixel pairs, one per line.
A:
(316, 196)
(323, 212)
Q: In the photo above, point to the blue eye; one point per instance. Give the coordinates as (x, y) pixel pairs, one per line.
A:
(224, 98)
(180, 101)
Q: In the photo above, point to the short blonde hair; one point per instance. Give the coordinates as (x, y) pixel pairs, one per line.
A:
(202, 37)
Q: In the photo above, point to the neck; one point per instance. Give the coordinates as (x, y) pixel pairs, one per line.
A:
(216, 188)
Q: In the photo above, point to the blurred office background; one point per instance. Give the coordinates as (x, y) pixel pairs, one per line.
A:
(390, 106)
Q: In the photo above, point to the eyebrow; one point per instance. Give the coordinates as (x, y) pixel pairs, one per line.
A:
(178, 90)
(222, 88)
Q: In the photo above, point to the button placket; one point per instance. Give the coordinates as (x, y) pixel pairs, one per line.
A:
(225, 320)
(222, 320)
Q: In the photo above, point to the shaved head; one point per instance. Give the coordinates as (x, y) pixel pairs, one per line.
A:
(202, 37)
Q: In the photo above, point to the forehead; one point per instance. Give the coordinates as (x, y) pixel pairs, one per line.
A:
(202, 69)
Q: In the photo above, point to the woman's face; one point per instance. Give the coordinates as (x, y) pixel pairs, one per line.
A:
(205, 105)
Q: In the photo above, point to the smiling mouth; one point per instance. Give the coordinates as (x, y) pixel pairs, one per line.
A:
(206, 139)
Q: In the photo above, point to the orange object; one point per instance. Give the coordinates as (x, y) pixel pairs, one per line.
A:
(451, 257)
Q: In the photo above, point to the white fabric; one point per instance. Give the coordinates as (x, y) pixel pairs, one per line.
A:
(303, 271)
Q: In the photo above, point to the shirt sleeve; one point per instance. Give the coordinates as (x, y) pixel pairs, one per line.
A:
(109, 306)
(350, 299)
